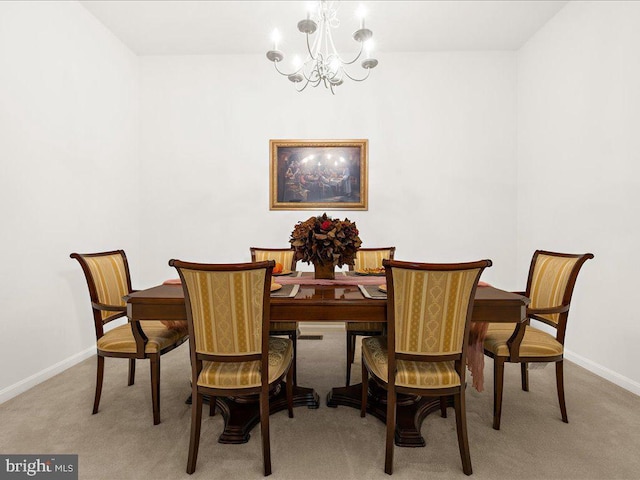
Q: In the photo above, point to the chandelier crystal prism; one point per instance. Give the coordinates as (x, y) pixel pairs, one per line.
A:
(323, 64)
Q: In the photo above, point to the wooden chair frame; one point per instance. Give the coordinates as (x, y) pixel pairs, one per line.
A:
(459, 360)
(138, 334)
(516, 338)
(274, 330)
(198, 392)
(352, 334)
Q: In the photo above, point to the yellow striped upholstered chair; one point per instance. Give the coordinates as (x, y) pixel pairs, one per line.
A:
(108, 279)
(285, 257)
(365, 258)
(428, 318)
(552, 277)
(231, 351)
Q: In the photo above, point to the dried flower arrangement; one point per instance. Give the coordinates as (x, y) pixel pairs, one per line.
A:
(323, 240)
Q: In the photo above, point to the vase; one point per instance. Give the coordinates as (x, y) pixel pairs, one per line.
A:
(325, 271)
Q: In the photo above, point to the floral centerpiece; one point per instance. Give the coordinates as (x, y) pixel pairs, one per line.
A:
(325, 242)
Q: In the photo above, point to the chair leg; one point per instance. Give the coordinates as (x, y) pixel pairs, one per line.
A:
(391, 429)
(212, 406)
(443, 407)
(350, 355)
(524, 370)
(155, 387)
(294, 340)
(99, 378)
(461, 427)
(560, 385)
(365, 390)
(264, 427)
(498, 380)
(289, 391)
(194, 440)
(132, 371)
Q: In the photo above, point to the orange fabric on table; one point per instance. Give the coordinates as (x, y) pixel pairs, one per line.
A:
(174, 324)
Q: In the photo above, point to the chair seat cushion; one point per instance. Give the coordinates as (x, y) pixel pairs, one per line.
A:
(535, 342)
(283, 327)
(247, 374)
(409, 373)
(364, 327)
(121, 340)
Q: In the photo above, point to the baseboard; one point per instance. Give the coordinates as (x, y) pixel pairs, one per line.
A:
(604, 372)
(313, 336)
(321, 326)
(30, 382)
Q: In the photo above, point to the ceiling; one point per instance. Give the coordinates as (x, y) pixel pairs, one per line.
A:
(239, 27)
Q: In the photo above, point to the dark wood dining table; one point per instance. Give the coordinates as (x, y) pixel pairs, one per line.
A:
(324, 303)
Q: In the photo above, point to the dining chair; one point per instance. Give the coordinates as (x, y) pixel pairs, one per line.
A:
(428, 318)
(231, 351)
(108, 278)
(365, 258)
(286, 258)
(552, 277)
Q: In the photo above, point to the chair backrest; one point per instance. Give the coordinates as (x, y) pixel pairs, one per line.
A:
(227, 308)
(429, 309)
(283, 256)
(108, 279)
(372, 257)
(552, 277)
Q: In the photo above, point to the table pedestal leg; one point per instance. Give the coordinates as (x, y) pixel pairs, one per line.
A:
(242, 413)
(411, 410)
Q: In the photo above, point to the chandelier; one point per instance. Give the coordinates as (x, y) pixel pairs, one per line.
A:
(323, 64)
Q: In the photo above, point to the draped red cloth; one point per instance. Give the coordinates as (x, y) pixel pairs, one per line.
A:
(173, 324)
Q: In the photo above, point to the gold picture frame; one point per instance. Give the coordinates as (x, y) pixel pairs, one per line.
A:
(318, 174)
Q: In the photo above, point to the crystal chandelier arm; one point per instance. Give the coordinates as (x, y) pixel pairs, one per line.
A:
(314, 83)
(275, 64)
(304, 86)
(358, 79)
(312, 48)
(314, 76)
(337, 55)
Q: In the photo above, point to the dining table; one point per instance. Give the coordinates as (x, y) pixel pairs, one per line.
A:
(318, 302)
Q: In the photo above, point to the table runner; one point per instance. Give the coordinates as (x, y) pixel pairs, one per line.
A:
(341, 279)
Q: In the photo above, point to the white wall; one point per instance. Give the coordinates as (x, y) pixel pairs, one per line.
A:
(444, 135)
(579, 172)
(441, 130)
(68, 182)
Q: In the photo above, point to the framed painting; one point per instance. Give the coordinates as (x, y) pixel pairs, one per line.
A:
(318, 174)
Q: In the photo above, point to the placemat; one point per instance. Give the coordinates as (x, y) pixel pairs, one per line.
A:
(371, 291)
(286, 291)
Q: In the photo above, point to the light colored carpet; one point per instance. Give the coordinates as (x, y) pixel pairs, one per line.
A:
(120, 442)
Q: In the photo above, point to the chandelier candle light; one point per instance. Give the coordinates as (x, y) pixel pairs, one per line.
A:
(323, 65)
